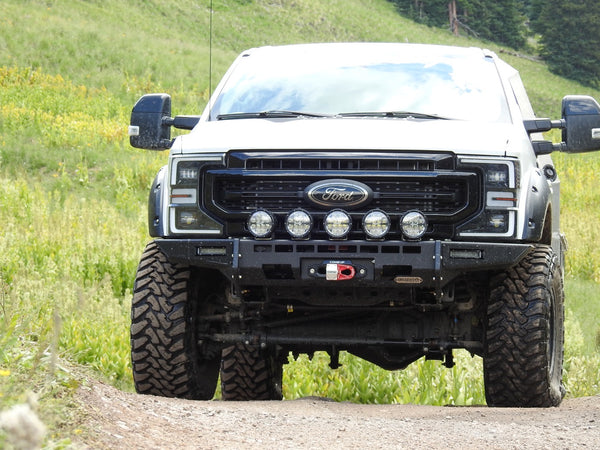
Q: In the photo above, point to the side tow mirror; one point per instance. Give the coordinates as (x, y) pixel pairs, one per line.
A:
(581, 133)
(149, 127)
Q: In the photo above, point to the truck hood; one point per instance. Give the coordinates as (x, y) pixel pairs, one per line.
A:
(307, 134)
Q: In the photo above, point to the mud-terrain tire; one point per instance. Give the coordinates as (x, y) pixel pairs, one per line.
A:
(250, 373)
(166, 357)
(523, 358)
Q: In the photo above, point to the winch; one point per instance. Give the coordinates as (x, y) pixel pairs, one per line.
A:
(339, 272)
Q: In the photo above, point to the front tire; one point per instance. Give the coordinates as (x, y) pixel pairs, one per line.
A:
(523, 357)
(167, 358)
(250, 373)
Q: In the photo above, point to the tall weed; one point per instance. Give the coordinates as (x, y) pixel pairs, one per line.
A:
(580, 213)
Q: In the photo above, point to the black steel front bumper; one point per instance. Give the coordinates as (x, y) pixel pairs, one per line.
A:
(427, 264)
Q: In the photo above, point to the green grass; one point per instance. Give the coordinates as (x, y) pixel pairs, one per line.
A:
(580, 214)
(73, 196)
(424, 382)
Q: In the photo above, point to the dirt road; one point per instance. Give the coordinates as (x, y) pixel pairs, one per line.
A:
(124, 420)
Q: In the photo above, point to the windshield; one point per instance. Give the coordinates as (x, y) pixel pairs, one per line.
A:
(347, 79)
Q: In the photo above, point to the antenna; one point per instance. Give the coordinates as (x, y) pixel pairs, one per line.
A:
(210, 31)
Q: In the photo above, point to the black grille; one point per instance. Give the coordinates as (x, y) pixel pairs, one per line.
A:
(237, 195)
(340, 164)
(349, 161)
(400, 182)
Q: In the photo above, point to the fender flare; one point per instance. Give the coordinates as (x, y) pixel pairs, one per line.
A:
(156, 227)
(537, 205)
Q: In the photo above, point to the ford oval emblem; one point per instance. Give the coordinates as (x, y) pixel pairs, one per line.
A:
(338, 193)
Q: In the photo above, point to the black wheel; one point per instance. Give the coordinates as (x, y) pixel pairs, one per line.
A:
(166, 356)
(250, 373)
(523, 358)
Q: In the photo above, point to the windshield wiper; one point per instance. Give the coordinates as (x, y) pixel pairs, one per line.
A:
(275, 114)
(397, 114)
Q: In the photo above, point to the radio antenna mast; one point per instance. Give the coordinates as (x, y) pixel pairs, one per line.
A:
(210, 31)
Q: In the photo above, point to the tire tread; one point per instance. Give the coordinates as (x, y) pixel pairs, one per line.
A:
(516, 363)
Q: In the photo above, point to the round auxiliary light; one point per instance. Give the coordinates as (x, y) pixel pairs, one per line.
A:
(298, 224)
(260, 224)
(413, 225)
(337, 224)
(376, 224)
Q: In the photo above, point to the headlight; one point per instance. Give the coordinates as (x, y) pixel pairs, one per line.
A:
(187, 173)
(497, 175)
(183, 195)
(498, 217)
(376, 224)
(337, 224)
(413, 225)
(187, 219)
(498, 221)
(298, 224)
(261, 224)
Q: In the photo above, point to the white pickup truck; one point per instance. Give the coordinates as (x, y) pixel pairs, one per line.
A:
(394, 201)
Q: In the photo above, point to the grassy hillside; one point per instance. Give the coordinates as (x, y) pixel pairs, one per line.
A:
(128, 47)
(73, 194)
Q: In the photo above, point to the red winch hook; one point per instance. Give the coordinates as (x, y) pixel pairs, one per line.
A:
(339, 272)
